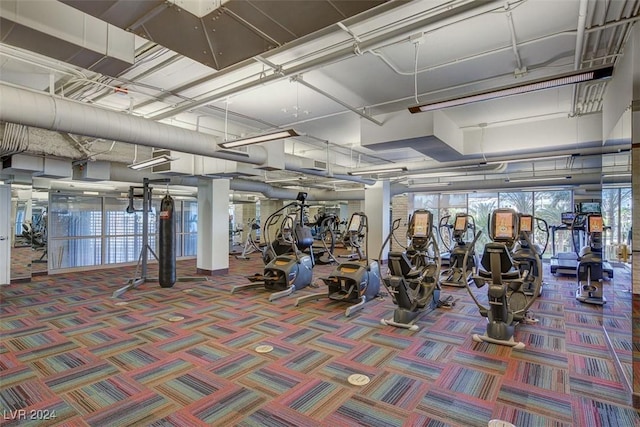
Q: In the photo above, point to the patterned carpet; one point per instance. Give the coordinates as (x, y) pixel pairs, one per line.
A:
(71, 355)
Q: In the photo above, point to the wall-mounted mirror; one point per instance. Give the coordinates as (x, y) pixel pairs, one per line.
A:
(39, 231)
(617, 204)
(21, 250)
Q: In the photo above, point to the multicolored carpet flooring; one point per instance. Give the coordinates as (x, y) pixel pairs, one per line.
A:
(186, 356)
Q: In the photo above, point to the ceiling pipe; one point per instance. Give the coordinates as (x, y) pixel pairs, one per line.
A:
(499, 185)
(121, 173)
(446, 12)
(44, 111)
(299, 79)
(290, 194)
(300, 164)
(31, 108)
(577, 61)
(424, 167)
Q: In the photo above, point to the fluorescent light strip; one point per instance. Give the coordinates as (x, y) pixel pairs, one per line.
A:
(562, 80)
(371, 172)
(156, 161)
(280, 134)
(617, 175)
(429, 184)
(535, 179)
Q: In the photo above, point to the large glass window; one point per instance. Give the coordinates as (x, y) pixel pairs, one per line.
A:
(549, 205)
(79, 237)
(521, 201)
(190, 228)
(481, 205)
(74, 223)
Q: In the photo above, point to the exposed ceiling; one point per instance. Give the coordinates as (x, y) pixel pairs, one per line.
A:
(343, 73)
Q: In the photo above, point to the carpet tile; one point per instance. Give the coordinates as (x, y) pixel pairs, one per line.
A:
(187, 356)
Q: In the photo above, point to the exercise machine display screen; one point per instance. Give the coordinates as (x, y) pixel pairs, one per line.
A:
(461, 223)
(526, 223)
(590, 207)
(595, 224)
(504, 225)
(354, 224)
(421, 224)
(567, 218)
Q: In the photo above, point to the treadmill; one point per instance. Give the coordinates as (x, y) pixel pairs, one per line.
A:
(567, 262)
(564, 262)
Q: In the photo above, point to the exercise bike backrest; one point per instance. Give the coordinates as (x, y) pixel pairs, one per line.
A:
(503, 231)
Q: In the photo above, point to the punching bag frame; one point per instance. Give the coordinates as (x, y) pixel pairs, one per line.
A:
(141, 274)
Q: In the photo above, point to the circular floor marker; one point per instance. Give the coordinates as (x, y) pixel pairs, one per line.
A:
(121, 303)
(187, 291)
(264, 349)
(358, 379)
(175, 318)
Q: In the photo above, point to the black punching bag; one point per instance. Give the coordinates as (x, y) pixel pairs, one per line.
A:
(167, 244)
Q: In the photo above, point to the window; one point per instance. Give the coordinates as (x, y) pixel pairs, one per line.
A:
(549, 205)
(481, 205)
(79, 237)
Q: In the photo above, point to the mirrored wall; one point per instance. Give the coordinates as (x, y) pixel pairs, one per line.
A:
(29, 222)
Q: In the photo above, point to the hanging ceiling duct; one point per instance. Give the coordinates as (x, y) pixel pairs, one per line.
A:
(222, 33)
(39, 110)
(31, 108)
(64, 33)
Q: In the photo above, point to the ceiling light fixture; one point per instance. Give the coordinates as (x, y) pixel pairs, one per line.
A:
(271, 136)
(386, 170)
(429, 184)
(536, 179)
(569, 78)
(156, 161)
(617, 175)
(530, 159)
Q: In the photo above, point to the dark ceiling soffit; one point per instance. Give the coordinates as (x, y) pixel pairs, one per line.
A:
(237, 31)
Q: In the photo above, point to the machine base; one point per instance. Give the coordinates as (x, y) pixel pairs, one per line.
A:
(517, 345)
(589, 299)
(280, 294)
(253, 285)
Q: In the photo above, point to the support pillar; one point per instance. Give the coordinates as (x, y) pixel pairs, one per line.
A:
(634, 47)
(213, 227)
(377, 206)
(635, 273)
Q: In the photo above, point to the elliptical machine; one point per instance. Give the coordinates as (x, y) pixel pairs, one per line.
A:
(413, 274)
(462, 259)
(251, 242)
(508, 304)
(528, 256)
(286, 273)
(354, 282)
(590, 269)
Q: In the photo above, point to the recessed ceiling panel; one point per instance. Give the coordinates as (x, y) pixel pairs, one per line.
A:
(232, 33)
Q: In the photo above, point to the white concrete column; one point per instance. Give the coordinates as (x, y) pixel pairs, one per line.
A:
(377, 204)
(213, 226)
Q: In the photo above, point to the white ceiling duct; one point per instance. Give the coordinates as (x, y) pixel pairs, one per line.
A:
(54, 113)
